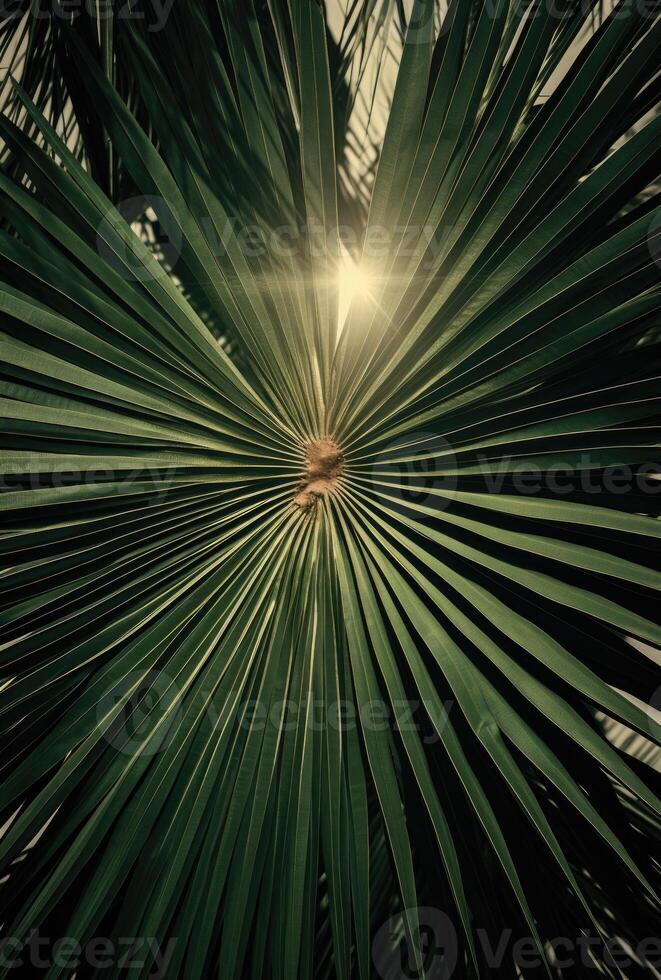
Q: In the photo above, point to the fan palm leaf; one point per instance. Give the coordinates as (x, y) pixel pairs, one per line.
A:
(316, 626)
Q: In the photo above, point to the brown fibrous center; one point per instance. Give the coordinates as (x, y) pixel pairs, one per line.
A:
(323, 466)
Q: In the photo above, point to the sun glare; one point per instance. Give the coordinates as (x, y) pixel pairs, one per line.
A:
(354, 284)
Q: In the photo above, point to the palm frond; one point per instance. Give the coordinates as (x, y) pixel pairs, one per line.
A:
(317, 628)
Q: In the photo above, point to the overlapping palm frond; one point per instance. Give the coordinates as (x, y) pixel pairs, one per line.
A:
(327, 624)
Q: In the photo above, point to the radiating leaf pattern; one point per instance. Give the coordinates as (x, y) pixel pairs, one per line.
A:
(309, 624)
